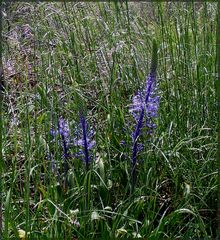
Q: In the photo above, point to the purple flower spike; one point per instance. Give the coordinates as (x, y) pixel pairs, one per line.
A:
(137, 106)
(63, 128)
(84, 139)
(64, 132)
(144, 105)
(148, 101)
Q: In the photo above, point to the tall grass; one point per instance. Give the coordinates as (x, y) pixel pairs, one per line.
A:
(100, 53)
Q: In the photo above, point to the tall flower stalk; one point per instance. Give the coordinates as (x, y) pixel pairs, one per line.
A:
(63, 132)
(84, 139)
(135, 147)
(65, 137)
(145, 105)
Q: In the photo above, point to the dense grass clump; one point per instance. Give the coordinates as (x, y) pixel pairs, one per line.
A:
(73, 72)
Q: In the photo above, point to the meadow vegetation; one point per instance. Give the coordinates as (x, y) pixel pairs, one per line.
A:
(73, 69)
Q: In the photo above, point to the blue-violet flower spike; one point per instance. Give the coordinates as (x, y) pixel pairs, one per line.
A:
(85, 141)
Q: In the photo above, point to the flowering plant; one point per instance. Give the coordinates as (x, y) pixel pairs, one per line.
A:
(144, 106)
